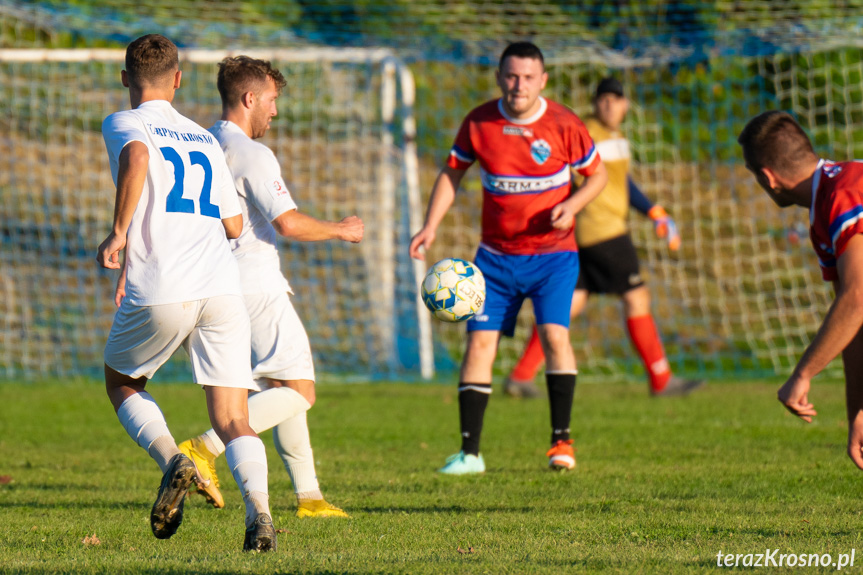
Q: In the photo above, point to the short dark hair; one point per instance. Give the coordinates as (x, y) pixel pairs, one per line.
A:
(609, 85)
(522, 50)
(775, 140)
(150, 59)
(241, 74)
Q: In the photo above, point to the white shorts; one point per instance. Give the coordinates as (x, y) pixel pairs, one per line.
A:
(214, 332)
(280, 346)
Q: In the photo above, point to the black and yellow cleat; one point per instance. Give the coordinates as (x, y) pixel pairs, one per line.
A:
(167, 512)
(261, 536)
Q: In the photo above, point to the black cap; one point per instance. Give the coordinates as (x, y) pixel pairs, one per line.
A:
(609, 85)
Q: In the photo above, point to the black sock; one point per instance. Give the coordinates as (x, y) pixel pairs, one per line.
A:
(472, 401)
(561, 391)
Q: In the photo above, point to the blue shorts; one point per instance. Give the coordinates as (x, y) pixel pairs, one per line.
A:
(547, 279)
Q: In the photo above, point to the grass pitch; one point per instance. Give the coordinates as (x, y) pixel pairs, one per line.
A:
(662, 486)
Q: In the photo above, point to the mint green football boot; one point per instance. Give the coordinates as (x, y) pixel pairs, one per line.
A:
(463, 464)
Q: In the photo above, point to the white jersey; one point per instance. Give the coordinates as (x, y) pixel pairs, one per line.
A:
(263, 197)
(176, 249)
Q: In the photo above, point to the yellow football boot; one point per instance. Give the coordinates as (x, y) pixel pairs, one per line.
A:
(319, 508)
(207, 481)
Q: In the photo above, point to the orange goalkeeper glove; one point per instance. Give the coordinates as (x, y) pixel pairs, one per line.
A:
(664, 227)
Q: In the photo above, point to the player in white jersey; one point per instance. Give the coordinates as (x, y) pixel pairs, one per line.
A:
(281, 355)
(175, 204)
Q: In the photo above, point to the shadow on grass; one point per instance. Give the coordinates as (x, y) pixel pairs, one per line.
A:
(187, 570)
(441, 509)
(389, 510)
(77, 505)
(21, 486)
(791, 530)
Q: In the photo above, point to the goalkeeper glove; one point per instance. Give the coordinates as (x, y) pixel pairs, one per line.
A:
(664, 227)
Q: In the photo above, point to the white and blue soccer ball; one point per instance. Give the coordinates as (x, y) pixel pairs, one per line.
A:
(453, 290)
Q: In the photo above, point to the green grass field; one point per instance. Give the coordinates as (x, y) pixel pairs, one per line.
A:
(662, 486)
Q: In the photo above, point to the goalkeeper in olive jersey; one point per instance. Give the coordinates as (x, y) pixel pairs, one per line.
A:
(608, 262)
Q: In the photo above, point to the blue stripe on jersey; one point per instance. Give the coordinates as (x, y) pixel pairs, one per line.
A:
(844, 221)
(461, 155)
(586, 160)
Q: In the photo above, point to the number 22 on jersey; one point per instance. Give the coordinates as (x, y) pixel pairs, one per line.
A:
(176, 202)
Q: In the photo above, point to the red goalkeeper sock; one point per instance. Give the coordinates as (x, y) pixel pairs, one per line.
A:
(531, 359)
(645, 338)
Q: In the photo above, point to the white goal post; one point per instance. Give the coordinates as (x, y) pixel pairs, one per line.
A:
(345, 136)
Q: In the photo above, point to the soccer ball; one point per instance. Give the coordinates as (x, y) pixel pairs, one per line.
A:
(453, 290)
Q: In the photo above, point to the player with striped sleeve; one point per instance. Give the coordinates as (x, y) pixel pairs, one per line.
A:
(527, 148)
(780, 155)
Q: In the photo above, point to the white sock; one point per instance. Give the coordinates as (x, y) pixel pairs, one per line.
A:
(295, 448)
(270, 407)
(163, 449)
(144, 422)
(247, 460)
(267, 409)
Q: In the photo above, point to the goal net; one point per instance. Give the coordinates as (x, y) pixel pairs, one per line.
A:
(744, 294)
(343, 136)
(742, 298)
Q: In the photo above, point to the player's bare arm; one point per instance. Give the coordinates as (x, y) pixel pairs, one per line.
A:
(841, 325)
(133, 163)
(442, 197)
(563, 214)
(301, 227)
(233, 226)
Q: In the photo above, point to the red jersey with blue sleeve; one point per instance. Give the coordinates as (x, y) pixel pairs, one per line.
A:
(525, 166)
(836, 214)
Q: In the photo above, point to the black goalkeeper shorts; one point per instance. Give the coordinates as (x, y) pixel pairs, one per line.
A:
(609, 267)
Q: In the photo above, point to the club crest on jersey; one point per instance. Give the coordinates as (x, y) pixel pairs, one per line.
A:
(832, 171)
(540, 151)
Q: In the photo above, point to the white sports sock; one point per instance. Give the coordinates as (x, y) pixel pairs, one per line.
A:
(144, 422)
(162, 450)
(247, 460)
(271, 407)
(267, 409)
(293, 445)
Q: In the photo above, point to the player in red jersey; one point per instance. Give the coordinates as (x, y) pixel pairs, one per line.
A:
(780, 155)
(608, 260)
(527, 148)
